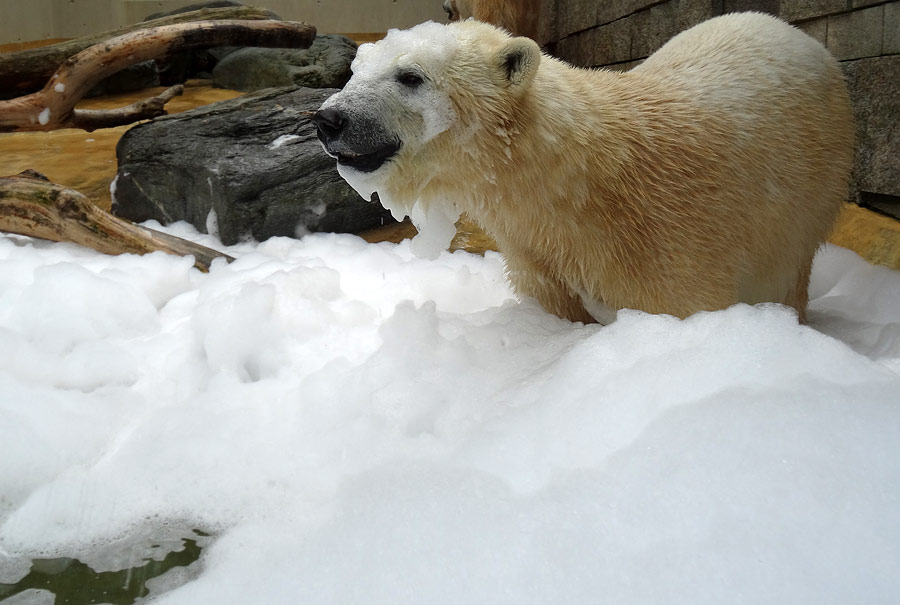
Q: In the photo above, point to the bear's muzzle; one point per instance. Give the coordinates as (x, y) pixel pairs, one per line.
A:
(360, 149)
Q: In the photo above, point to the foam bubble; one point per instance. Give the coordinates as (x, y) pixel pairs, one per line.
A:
(282, 140)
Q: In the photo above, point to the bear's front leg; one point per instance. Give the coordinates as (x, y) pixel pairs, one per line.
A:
(554, 295)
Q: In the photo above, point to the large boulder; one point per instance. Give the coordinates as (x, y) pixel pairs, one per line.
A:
(325, 64)
(248, 167)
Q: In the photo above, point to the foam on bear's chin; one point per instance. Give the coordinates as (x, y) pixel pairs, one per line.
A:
(435, 220)
(436, 224)
(364, 183)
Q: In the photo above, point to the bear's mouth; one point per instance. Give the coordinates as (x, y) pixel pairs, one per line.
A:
(367, 162)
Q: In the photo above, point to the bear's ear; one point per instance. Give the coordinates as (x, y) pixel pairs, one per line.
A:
(518, 61)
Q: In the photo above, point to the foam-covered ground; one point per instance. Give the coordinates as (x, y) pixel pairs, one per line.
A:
(356, 425)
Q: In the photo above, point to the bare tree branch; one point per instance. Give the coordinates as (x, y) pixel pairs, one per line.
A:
(92, 119)
(31, 205)
(53, 107)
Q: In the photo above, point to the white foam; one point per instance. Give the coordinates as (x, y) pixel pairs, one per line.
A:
(436, 225)
(212, 220)
(282, 140)
(430, 43)
(364, 183)
(356, 424)
(112, 188)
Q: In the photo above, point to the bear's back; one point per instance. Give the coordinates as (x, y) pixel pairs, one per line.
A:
(743, 54)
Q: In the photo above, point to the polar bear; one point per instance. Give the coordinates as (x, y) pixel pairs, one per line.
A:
(707, 176)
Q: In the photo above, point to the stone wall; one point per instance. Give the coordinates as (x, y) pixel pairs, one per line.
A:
(863, 34)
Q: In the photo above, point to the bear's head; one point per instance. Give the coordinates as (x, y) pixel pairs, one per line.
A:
(418, 102)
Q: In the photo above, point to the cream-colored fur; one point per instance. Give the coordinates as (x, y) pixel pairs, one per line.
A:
(707, 176)
(518, 17)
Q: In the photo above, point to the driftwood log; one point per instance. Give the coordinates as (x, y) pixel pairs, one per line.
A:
(53, 107)
(26, 71)
(32, 205)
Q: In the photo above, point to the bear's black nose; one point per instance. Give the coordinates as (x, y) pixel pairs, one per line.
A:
(329, 123)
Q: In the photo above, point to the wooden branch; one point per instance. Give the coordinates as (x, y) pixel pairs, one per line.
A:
(53, 107)
(92, 119)
(27, 71)
(33, 206)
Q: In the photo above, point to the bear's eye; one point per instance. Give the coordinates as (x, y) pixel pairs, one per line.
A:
(410, 79)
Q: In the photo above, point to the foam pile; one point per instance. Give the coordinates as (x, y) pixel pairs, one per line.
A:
(355, 424)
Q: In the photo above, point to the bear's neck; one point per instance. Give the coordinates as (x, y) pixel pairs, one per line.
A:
(538, 165)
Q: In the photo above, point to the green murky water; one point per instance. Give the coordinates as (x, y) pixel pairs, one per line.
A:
(75, 583)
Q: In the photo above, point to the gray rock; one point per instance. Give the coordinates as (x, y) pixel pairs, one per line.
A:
(255, 161)
(325, 64)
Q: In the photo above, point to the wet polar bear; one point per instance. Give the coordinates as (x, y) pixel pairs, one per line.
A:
(709, 175)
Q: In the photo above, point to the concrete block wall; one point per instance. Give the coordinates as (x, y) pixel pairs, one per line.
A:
(864, 35)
